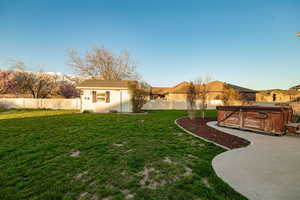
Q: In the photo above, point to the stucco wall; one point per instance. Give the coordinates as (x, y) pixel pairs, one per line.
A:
(280, 97)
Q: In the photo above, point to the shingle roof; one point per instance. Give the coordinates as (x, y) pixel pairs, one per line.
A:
(297, 87)
(94, 83)
(160, 90)
(180, 88)
(241, 89)
(215, 86)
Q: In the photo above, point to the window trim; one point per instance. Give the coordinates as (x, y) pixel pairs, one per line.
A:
(95, 95)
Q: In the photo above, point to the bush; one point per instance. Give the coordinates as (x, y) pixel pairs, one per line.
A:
(113, 111)
(296, 118)
(87, 111)
(139, 98)
(68, 90)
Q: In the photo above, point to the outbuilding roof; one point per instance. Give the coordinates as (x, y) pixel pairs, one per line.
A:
(96, 83)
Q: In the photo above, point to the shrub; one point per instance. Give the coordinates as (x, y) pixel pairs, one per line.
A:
(87, 111)
(113, 111)
(68, 90)
(139, 97)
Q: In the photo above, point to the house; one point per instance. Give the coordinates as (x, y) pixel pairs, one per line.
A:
(215, 92)
(106, 95)
(297, 87)
(278, 95)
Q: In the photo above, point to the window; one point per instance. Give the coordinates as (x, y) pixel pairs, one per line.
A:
(101, 97)
(274, 97)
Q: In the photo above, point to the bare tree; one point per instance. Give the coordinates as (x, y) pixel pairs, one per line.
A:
(191, 100)
(39, 84)
(230, 95)
(7, 82)
(101, 63)
(202, 93)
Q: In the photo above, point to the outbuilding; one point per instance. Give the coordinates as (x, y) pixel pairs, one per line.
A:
(106, 95)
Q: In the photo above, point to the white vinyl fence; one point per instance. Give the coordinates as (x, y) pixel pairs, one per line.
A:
(174, 105)
(75, 104)
(66, 104)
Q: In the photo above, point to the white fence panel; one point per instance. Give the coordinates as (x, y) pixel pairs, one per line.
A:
(172, 105)
(75, 104)
(66, 104)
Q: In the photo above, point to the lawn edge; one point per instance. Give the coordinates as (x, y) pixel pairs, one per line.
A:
(197, 136)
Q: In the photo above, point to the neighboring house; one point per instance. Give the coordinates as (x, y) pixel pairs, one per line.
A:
(106, 95)
(277, 95)
(297, 87)
(215, 92)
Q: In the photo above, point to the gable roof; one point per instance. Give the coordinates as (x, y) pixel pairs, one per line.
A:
(213, 86)
(96, 83)
(297, 87)
(241, 89)
(180, 88)
(160, 90)
(279, 91)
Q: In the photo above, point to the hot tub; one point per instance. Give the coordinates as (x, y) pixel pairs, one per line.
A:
(271, 120)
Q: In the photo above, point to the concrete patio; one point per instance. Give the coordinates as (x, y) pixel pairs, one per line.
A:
(268, 169)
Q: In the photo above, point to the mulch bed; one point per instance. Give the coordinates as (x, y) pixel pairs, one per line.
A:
(198, 126)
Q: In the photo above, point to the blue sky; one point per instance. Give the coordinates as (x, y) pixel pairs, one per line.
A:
(249, 43)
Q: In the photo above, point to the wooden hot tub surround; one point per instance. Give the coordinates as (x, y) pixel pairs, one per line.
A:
(271, 120)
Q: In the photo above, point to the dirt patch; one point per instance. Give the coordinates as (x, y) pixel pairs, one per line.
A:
(93, 184)
(75, 154)
(205, 182)
(192, 156)
(83, 195)
(168, 160)
(145, 173)
(198, 126)
(81, 175)
(179, 134)
(118, 145)
(128, 151)
(127, 194)
(188, 171)
(148, 180)
(94, 197)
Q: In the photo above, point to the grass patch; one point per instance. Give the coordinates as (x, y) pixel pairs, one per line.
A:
(49, 154)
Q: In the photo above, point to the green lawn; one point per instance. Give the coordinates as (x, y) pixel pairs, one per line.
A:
(120, 157)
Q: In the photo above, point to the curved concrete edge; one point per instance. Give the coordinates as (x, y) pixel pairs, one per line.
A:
(216, 158)
(197, 136)
(266, 169)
